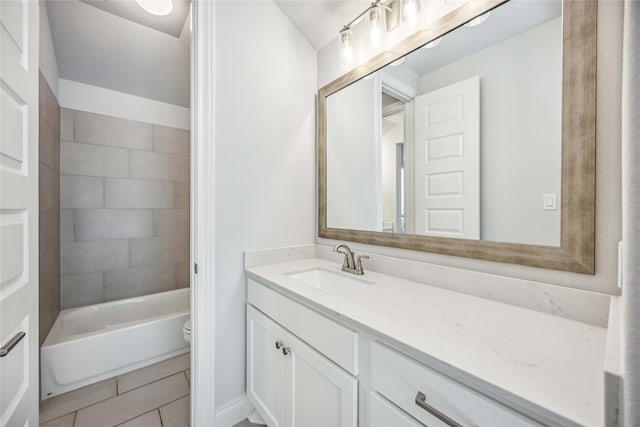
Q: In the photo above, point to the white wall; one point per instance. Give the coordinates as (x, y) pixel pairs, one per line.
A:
(520, 147)
(48, 63)
(265, 193)
(353, 158)
(608, 203)
(392, 134)
(93, 99)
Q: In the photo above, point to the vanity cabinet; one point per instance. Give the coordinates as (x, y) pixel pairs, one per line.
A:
(290, 383)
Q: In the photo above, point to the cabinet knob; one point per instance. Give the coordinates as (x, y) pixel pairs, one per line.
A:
(286, 350)
(279, 345)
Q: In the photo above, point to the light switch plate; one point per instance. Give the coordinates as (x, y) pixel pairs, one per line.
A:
(549, 202)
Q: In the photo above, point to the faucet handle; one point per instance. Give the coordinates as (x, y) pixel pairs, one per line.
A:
(359, 258)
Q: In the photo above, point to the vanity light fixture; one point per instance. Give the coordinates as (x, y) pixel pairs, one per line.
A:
(377, 24)
(410, 10)
(346, 50)
(477, 21)
(156, 7)
(433, 43)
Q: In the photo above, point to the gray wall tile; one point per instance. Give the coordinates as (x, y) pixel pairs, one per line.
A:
(149, 165)
(170, 222)
(67, 232)
(81, 191)
(103, 224)
(48, 146)
(82, 289)
(93, 160)
(135, 193)
(89, 257)
(105, 130)
(156, 250)
(182, 195)
(66, 124)
(47, 183)
(133, 282)
(183, 272)
(170, 140)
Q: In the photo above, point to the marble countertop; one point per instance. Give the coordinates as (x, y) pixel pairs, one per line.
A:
(549, 367)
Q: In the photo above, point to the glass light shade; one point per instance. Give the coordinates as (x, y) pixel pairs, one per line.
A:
(377, 26)
(346, 49)
(157, 7)
(410, 10)
(433, 43)
(477, 20)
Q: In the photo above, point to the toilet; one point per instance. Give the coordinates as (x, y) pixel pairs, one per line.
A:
(186, 330)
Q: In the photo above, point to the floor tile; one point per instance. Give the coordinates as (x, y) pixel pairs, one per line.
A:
(69, 402)
(64, 421)
(133, 403)
(152, 373)
(150, 419)
(176, 414)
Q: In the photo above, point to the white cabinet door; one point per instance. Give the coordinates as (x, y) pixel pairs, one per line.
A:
(19, 212)
(265, 367)
(319, 393)
(385, 414)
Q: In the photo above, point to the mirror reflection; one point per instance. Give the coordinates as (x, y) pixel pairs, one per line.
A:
(461, 138)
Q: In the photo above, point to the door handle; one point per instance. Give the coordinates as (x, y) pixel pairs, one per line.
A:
(420, 401)
(279, 344)
(5, 349)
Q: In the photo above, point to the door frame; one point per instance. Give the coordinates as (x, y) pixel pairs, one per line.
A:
(202, 191)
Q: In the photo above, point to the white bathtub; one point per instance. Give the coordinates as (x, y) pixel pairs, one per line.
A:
(96, 342)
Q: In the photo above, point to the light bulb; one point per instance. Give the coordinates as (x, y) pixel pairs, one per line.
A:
(376, 25)
(410, 10)
(477, 20)
(346, 50)
(157, 7)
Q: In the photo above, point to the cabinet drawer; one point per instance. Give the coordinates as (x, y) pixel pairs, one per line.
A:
(385, 414)
(400, 379)
(333, 340)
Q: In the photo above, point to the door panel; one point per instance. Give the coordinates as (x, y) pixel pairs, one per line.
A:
(447, 161)
(319, 393)
(19, 210)
(265, 367)
(385, 414)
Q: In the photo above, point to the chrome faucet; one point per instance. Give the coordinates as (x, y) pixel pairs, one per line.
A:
(351, 264)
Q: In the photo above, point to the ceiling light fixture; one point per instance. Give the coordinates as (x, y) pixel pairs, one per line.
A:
(156, 7)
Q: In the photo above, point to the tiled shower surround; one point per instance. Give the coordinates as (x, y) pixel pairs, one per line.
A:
(49, 192)
(124, 208)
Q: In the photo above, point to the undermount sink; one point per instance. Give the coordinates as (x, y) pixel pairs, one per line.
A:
(325, 279)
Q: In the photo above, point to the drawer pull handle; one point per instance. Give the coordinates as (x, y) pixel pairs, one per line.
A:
(5, 349)
(420, 401)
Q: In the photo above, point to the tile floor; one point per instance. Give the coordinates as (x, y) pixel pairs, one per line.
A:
(154, 396)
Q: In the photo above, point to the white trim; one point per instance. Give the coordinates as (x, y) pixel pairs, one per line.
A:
(203, 364)
(232, 412)
(80, 96)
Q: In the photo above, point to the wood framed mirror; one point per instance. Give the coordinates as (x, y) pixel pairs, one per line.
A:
(472, 208)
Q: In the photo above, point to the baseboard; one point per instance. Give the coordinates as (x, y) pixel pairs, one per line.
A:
(255, 418)
(232, 412)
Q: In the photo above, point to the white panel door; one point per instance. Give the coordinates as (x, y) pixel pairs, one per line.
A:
(319, 393)
(265, 367)
(19, 212)
(447, 161)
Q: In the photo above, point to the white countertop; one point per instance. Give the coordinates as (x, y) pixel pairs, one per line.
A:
(547, 366)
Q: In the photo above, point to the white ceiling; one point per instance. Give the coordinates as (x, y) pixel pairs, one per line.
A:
(320, 21)
(102, 49)
(504, 22)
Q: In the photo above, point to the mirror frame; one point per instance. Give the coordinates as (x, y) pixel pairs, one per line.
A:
(576, 252)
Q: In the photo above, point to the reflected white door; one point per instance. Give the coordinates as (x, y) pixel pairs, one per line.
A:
(447, 161)
(19, 212)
